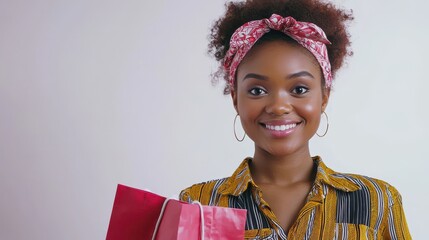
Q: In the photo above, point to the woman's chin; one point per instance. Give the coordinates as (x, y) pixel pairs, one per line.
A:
(282, 151)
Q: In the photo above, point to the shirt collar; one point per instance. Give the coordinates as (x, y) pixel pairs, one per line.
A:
(241, 179)
(334, 179)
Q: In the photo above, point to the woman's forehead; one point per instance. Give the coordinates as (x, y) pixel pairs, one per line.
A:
(283, 54)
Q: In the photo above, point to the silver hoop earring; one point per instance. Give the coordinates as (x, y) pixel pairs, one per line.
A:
(235, 133)
(327, 125)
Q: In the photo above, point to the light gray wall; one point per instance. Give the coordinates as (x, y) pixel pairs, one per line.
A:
(95, 93)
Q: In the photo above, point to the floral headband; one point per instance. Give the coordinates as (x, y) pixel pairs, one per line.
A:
(307, 34)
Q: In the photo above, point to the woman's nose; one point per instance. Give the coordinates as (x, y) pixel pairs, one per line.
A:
(279, 104)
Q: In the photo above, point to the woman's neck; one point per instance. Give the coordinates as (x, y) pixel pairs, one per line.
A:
(282, 170)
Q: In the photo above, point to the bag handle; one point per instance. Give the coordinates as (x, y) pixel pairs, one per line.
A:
(164, 205)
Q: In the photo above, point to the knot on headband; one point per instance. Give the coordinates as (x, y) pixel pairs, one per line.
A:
(308, 35)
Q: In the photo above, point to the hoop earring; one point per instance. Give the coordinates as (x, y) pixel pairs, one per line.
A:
(235, 133)
(327, 125)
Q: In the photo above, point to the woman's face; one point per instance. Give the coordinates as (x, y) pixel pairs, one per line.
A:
(279, 97)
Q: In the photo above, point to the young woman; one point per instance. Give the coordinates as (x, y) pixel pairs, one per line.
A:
(278, 58)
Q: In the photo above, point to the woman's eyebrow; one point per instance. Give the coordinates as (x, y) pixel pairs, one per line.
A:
(255, 76)
(300, 74)
(293, 75)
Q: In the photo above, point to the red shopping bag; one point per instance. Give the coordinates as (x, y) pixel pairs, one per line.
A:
(183, 221)
(134, 214)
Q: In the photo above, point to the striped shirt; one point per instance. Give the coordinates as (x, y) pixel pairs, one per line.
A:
(339, 206)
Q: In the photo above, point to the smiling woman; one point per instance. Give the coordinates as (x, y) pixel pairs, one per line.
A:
(278, 98)
(274, 58)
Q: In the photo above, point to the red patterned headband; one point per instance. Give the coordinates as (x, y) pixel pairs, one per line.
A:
(308, 35)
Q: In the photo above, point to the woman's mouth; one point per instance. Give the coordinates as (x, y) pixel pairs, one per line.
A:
(281, 127)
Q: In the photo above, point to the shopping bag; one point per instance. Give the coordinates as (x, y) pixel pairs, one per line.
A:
(134, 214)
(183, 221)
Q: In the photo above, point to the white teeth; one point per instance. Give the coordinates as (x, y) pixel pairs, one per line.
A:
(281, 127)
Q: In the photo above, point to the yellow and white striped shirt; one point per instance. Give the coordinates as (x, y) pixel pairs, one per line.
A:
(339, 206)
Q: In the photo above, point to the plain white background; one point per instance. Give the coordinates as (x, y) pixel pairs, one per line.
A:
(95, 93)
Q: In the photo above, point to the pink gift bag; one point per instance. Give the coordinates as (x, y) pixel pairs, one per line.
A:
(183, 221)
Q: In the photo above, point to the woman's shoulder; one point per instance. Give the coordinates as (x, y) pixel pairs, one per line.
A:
(351, 182)
(372, 183)
(373, 188)
(203, 191)
(217, 191)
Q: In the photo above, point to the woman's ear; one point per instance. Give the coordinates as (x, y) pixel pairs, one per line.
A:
(325, 98)
(234, 100)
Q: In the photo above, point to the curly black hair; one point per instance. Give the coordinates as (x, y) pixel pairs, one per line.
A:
(325, 15)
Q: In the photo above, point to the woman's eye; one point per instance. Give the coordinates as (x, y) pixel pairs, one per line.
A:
(257, 91)
(300, 90)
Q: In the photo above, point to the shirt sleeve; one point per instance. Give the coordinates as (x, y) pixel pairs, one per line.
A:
(397, 227)
(185, 196)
